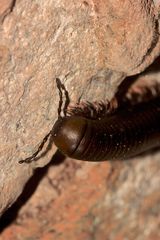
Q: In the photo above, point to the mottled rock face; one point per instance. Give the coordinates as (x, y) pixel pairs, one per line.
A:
(91, 45)
(5, 8)
(128, 34)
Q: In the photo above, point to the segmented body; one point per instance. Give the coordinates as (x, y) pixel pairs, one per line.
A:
(123, 134)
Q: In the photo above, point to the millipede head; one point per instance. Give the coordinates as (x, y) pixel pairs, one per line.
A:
(68, 132)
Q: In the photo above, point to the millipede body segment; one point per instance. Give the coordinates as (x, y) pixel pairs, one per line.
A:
(123, 134)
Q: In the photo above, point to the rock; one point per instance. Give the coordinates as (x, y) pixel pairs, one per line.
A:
(90, 45)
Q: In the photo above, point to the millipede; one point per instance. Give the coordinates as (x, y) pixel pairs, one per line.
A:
(101, 136)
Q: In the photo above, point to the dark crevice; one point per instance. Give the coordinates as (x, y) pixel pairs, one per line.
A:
(13, 5)
(11, 214)
(8, 11)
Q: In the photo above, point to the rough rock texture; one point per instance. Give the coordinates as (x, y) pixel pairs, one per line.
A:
(5, 8)
(92, 46)
(78, 200)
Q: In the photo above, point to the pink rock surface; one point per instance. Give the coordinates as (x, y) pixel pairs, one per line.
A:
(95, 44)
